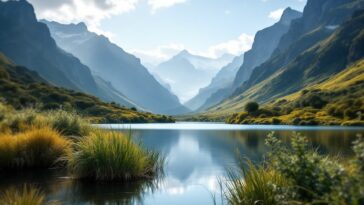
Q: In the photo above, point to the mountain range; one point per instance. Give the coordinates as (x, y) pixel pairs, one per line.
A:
(111, 63)
(265, 42)
(21, 88)
(186, 73)
(320, 44)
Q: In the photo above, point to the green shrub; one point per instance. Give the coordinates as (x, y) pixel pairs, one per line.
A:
(106, 155)
(313, 175)
(251, 107)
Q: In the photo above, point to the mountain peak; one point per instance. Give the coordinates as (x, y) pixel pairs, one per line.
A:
(289, 14)
(184, 53)
(67, 28)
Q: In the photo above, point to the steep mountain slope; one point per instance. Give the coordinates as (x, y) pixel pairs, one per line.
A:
(27, 42)
(223, 79)
(335, 101)
(265, 42)
(317, 23)
(123, 70)
(22, 88)
(313, 65)
(187, 73)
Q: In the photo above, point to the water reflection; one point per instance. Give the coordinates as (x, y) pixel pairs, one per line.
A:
(195, 160)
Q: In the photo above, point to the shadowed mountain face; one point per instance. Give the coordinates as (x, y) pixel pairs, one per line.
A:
(187, 73)
(21, 88)
(123, 70)
(265, 42)
(223, 79)
(323, 42)
(27, 42)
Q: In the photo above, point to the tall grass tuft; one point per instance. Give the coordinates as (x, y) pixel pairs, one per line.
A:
(35, 148)
(27, 196)
(68, 124)
(254, 185)
(107, 155)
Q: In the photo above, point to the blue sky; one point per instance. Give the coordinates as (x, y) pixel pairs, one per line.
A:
(158, 29)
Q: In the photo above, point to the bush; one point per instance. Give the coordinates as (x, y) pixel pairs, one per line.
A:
(313, 174)
(111, 156)
(303, 176)
(251, 107)
(276, 121)
(36, 148)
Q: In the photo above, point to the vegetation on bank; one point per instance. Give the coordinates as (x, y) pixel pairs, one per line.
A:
(22, 88)
(297, 174)
(57, 139)
(337, 101)
(108, 155)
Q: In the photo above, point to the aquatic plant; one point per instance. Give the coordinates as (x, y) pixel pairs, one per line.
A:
(109, 155)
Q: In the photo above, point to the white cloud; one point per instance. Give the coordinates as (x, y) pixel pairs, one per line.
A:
(235, 47)
(165, 52)
(158, 4)
(159, 54)
(89, 11)
(276, 14)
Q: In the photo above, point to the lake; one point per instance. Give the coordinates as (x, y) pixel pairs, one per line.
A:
(197, 156)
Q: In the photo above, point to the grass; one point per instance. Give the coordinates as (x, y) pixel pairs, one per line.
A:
(295, 173)
(32, 139)
(35, 148)
(66, 123)
(254, 185)
(27, 196)
(69, 123)
(108, 155)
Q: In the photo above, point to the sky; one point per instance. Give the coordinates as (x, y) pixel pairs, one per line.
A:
(155, 30)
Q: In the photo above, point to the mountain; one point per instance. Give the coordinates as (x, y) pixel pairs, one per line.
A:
(318, 53)
(335, 101)
(223, 79)
(186, 73)
(21, 87)
(123, 70)
(27, 42)
(265, 42)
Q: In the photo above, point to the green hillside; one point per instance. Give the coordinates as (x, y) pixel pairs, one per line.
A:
(338, 100)
(22, 88)
(314, 65)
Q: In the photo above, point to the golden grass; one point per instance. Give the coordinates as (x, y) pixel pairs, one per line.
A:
(29, 195)
(35, 148)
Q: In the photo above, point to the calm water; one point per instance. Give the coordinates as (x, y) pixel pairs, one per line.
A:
(197, 156)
